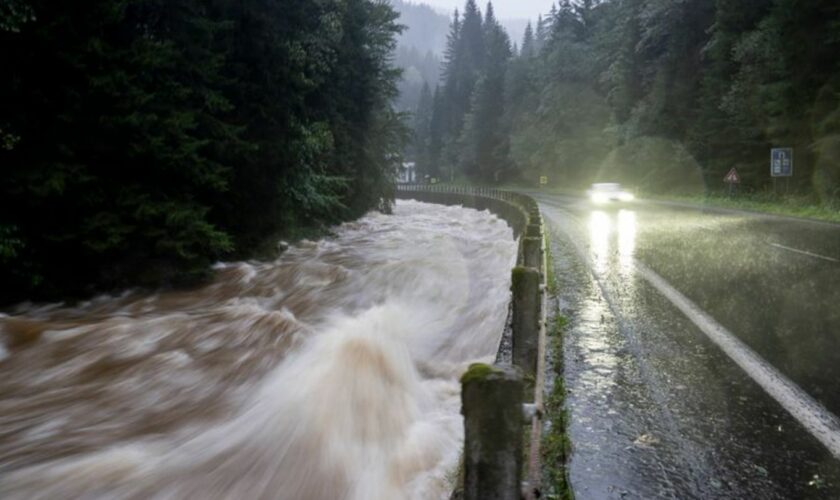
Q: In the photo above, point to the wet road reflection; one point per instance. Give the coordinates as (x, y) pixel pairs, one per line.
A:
(600, 227)
(603, 227)
(657, 410)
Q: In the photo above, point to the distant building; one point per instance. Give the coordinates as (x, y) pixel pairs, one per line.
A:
(407, 173)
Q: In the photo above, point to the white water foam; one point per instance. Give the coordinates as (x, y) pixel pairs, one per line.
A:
(372, 330)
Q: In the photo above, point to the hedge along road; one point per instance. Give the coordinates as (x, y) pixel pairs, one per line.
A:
(702, 353)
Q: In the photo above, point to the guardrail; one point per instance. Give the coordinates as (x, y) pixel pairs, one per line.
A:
(501, 194)
(499, 400)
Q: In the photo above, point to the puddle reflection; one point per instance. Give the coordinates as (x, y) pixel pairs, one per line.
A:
(612, 242)
(602, 227)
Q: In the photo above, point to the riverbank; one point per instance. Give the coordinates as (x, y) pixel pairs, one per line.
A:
(330, 372)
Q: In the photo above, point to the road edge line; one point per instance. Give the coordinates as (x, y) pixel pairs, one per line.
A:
(817, 420)
(803, 252)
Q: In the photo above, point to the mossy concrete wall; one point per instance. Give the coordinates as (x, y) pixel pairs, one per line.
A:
(532, 252)
(525, 283)
(491, 402)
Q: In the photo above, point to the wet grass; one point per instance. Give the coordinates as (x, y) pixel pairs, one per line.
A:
(806, 207)
(556, 445)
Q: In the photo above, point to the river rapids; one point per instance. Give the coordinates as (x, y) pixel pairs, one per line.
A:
(330, 373)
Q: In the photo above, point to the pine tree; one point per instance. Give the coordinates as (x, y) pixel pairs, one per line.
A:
(528, 43)
(716, 137)
(422, 132)
(541, 35)
(155, 137)
(437, 134)
(483, 142)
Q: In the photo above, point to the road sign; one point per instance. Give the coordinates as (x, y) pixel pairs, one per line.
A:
(781, 162)
(543, 180)
(732, 177)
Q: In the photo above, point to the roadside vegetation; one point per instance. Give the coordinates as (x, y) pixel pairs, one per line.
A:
(802, 206)
(141, 141)
(556, 446)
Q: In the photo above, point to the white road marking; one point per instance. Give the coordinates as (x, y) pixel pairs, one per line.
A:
(804, 252)
(820, 422)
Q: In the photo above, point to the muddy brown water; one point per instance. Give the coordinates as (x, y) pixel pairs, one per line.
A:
(329, 373)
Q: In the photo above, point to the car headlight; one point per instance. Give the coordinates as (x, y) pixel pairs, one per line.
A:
(599, 198)
(626, 197)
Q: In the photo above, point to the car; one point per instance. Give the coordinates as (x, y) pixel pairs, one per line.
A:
(606, 192)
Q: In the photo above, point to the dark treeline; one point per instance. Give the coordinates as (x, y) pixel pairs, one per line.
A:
(662, 95)
(142, 140)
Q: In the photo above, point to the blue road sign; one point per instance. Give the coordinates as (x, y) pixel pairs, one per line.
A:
(781, 162)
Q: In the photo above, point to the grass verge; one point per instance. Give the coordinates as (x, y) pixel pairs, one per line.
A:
(556, 445)
(804, 207)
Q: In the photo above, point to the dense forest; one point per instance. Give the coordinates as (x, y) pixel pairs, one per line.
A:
(142, 140)
(418, 51)
(459, 129)
(665, 96)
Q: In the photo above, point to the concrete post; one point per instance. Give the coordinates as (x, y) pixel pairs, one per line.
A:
(534, 230)
(526, 319)
(491, 398)
(532, 252)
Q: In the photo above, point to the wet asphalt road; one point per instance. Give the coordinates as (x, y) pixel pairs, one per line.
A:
(656, 409)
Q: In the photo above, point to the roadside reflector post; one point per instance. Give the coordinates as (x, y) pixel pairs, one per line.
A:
(525, 285)
(491, 402)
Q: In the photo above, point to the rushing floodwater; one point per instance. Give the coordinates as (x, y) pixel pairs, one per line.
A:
(331, 373)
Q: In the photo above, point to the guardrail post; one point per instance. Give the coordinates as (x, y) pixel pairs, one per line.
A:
(526, 319)
(532, 252)
(491, 399)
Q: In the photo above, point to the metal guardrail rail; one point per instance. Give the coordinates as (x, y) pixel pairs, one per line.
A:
(499, 194)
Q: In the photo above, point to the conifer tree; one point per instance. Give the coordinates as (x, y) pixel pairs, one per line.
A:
(153, 138)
